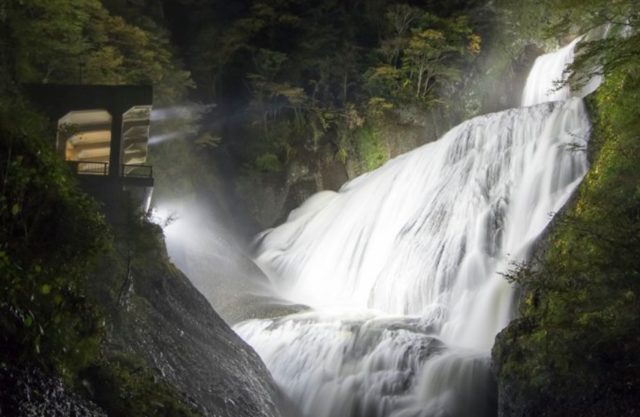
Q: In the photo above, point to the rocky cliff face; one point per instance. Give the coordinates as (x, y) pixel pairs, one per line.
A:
(159, 316)
(166, 352)
(269, 197)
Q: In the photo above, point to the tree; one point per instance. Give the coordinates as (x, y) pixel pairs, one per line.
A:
(48, 37)
(80, 42)
(425, 53)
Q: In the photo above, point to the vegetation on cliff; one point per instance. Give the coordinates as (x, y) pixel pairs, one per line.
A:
(575, 349)
(53, 236)
(50, 235)
(298, 78)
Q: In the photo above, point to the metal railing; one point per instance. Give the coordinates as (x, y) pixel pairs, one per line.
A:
(89, 167)
(102, 169)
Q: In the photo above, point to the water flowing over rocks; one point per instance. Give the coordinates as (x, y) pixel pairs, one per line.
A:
(402, 267)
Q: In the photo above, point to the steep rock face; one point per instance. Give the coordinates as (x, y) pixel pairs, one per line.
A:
(159, 316)
(174, 327)
(270, 196)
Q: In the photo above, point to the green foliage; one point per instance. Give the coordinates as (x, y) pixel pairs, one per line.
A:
(48, 37)
(370, 148)
(50, 235)
(80, 42)
(268, 163)
(293, 79)
(576, 343)
(423, 57)
(590, 14)
(524, 22)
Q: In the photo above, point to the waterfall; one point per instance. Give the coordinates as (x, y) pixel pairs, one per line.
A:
(402, 267)
(547, 75)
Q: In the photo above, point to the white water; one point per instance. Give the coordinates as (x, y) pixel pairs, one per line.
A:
(547, 80)
(402, 266)
(547, 75)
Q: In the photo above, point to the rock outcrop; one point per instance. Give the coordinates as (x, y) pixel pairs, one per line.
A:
(159, 316)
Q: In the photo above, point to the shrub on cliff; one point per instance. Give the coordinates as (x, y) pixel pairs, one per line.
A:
(50, 235)
(575, 350)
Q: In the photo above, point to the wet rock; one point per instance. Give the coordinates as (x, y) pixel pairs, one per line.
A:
(169, 324)
(32, 393)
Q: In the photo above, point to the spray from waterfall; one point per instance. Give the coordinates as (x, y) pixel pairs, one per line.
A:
(202, 243)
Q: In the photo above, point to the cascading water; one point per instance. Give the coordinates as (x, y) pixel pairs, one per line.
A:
(547, 74)
(402, 267)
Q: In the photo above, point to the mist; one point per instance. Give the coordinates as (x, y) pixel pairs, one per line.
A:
(203, 243)
(177, 122)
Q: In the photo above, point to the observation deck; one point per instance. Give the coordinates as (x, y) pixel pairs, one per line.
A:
(103, 136)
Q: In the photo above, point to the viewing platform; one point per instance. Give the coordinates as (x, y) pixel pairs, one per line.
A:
(102, 133)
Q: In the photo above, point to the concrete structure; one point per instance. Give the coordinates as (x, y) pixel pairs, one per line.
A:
(103, 133)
